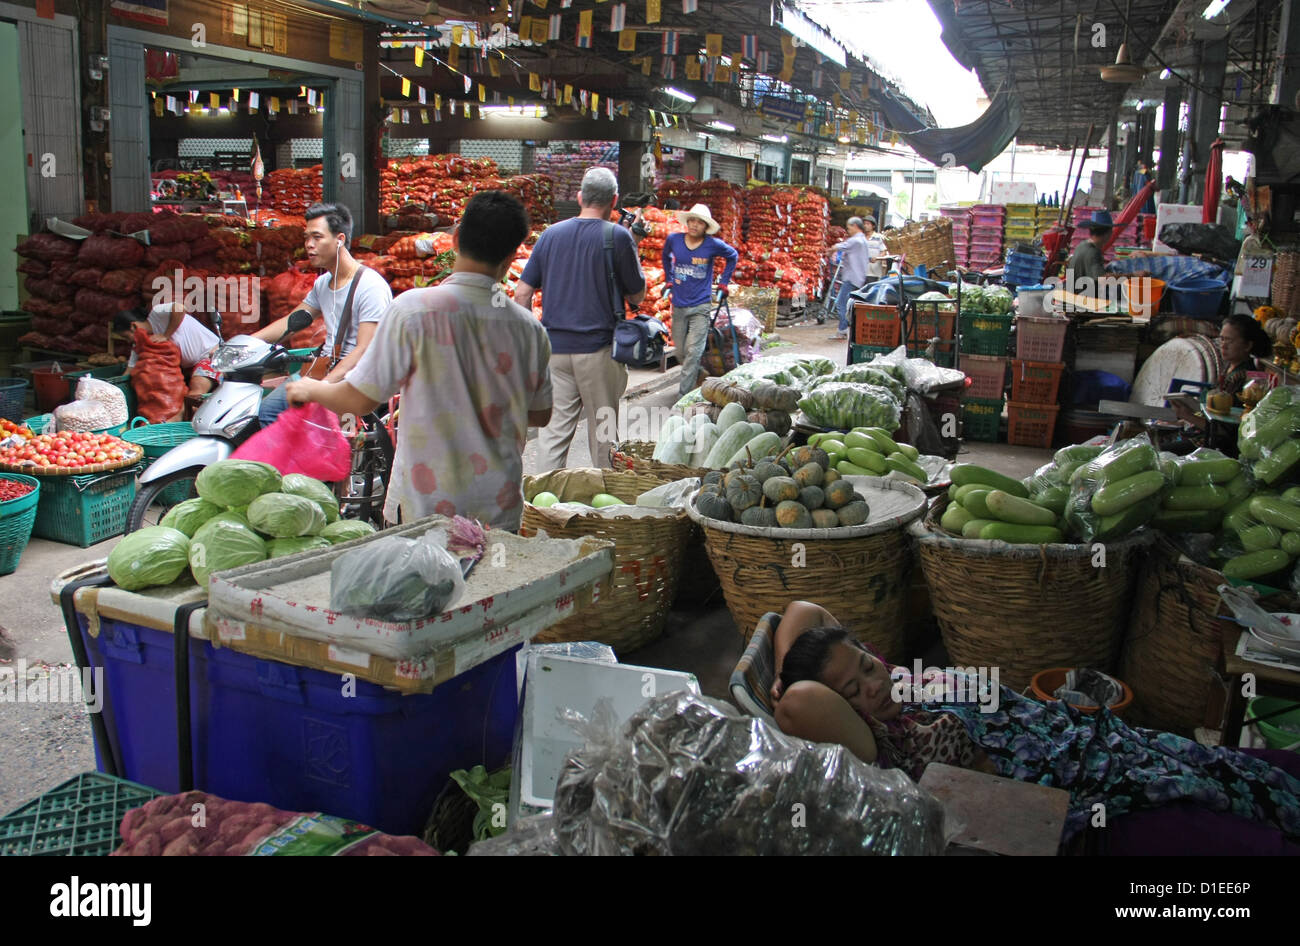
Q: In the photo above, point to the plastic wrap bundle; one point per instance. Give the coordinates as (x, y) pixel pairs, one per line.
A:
(109, 395)
(689, 776)
(83, 416)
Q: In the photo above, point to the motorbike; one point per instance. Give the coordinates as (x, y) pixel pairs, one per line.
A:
(228, 417)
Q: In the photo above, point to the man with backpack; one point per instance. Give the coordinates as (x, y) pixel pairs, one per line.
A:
(688, 271)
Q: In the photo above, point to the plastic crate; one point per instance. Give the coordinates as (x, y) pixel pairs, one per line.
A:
(984, 333)
(981, 419)
(83, 510)
(1031, 425)
(1040, 339)
(943, 356)
(988, 376)
(1035, 382)
(157, 439)
(16, 518)
(13, 398)
(875, 324)
(267, 731)
(81, 818)
(863, 353)
(930, 324)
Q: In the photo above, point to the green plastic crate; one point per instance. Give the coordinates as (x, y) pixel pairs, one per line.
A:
(81, 817)
(157, 439)
(83, 510)
(984, 333)
(861, 353)
(981, 419)
(944, 355)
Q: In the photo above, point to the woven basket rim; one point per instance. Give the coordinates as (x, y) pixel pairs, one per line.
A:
(925, 534)
(76, 471)
(844, 532)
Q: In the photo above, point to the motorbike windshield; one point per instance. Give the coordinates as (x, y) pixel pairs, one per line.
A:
(234, 355)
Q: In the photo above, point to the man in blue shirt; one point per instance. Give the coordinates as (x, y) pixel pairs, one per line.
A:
(688, 270)
(579, 313)
(857, 263)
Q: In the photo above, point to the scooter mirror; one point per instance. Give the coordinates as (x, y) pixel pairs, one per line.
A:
(299, 320)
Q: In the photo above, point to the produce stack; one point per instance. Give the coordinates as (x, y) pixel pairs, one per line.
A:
(674, 159)
(786, 239)
(1044, 218)
(537, 192)
(566, 162)
(797, 490)
(1019, 224)
(961, 225)
(986, 232)
(1036, 380)
(660, 224)
(290, 191)
(443, 183)
(985, 330)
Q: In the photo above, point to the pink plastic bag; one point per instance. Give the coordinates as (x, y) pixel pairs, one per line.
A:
(305, 440)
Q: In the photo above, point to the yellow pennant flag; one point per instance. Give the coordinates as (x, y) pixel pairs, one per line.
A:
(494, 68)
(406, 87)
(835, 100)
(214, 100)
(584, 23)
(395, 116)
(526, 28)
(510, 100)
(541, 30)
(534, 82)
(158, 107)
(541, 4)
(457, 34)
(693, 69)
(482, 92)
(275, 104)
(437, 103)
(627, 41)
(424, 116)
(722, 75)
(652, 11)
(846, 81)
(787, 69)
(787, 45)
(419, 56)
(568, 95)
(713, 44)
(468, 113)
(453, 57)
(595, 101)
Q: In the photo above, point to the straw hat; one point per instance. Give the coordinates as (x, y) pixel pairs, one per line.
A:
(702, 212)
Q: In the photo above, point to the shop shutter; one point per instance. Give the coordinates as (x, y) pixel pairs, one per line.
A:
(128, 129)
(734, 170)
(348, 112)
(51, 124)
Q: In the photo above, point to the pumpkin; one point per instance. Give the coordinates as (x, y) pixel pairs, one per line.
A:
(769, 395)
(825, 519)
(812, 497)
(810, 474)
(713, 506)
(713, 477)
(766, 469)
(778, 422)
(854, 514)
(720, 392)
(839, 493)
(781, 489)
(792, 515)
(762, 517)
(744, 491)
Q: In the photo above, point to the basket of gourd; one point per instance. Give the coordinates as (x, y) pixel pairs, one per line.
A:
(787, 528)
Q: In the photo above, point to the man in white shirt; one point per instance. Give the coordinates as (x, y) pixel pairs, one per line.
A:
(196, 341)
(473, 371)
(329, 231)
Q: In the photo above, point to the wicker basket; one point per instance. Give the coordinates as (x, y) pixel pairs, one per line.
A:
(1173, 644)
(634, 455)
(628, 608)
(859, 573)
(925, 244)
(1026, 608)
(762, 302)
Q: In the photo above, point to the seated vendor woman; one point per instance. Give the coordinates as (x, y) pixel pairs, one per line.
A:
(832, 688)
(1241, 341)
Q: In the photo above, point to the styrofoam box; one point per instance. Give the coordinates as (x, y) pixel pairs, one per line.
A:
(554, 684)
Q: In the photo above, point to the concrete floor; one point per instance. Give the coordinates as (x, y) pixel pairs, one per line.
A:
(45, 744)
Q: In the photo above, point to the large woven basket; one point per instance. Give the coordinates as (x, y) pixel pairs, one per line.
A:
(1026, 608)
(926, 244)
(635, 455)
(762, 302)
(858, 573)
(1174, 642)
(626, 609)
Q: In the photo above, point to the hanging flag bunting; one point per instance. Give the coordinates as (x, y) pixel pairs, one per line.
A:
(453, 57)
(467, 113)
(654, 118)
(652, 11)
(618, 17)
(494, 68)
(419, 57)
(406, 87)
(787, 69)
(526, 29)
(406, 116)
(565, 4)
(424, 116)
(713, 44)
(496, 98)
(395, 116)
(194, 95)
(817, 76)
(540, 4)
(293, 106)
(534, 82)
(609, 109)
(158, 106)
(311, 97)
(482, 93)
(749, 46)
(214, 100)
(541, 31)
(693, 69)
(275, 105)
(668, 68)
(437, 116)
(582, 98)
(252, 101)
(764, 61)
(690, 6)
(595, 102)
(437, 102)
(420, 93)
(787, 45)
(627, 41)
(469, 84)
(235, 95)
(846, 78)
(584, 29)
(457, 35)
(553, 31)
(668, 46)
(568, 95)
(647, 63)
(722, 74)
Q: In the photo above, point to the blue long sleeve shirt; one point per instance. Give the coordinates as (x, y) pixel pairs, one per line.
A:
(690, 271)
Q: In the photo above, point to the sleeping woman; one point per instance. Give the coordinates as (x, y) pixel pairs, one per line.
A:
(832, 688)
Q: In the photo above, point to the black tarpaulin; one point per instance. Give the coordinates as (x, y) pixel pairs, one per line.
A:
(971, 146)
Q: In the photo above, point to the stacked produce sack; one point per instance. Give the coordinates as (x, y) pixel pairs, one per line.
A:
(567, 167)
(787, 222)
(292, 191)
(536, 192)
(246, 512)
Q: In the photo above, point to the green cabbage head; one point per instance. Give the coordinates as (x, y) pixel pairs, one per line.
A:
(156, 555)
(315, 490)
(229, 483)
(223, 543)
(189, 515)
(345, 530)
(306, 543)
(283, 516)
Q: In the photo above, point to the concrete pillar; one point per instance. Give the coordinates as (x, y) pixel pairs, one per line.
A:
(630, 154)
(1205, 117)
(1112, 161)
(1286, 84)
(1168, 165)
(372, 107)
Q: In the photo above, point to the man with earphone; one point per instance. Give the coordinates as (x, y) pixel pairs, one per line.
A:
(352, 298)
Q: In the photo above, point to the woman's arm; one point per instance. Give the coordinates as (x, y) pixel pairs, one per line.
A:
(799, 616)
(815, 712)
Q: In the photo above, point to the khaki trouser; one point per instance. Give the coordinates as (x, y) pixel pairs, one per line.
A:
(587, 387)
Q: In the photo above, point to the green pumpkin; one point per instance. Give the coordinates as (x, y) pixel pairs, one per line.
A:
(781, 489)
(713, 506)
(743, 492)
(761, 517)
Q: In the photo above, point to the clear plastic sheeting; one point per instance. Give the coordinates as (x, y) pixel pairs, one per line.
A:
(529, 837)
(397, 579)
(921, 375)
(670, 495)
(690, 776)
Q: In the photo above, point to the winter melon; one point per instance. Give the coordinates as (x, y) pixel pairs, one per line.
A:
(731, 414)
(732, 439)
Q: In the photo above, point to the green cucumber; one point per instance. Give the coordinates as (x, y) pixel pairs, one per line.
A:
(1200, 472)
(909, 451)
(966, 473)
(1079, 453)
(1238, 488)
(1270, 469)
(1276, 512)
(857, 439)
(1239, 519)
(1018, 511)
(1291, 543)
(868, 460)
(1020, 534)
(976, 503)
(1197, 497)
(845, 468)
(902, 464)
(1292, 495)
(882, 438)
(1053, 498)
(953, 490)
(1119, 494)
(1258, 538)
(971, 530)
(1128, 519)
(1187, 520)
(968, 488)
(1127, 463)
(1256, 564)
(955, 518)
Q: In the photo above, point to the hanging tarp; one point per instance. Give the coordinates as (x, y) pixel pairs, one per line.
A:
(971, 146)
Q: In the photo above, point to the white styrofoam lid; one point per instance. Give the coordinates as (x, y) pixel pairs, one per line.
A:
(1176, 358)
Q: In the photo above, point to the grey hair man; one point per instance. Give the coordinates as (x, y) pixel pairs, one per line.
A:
(588, 271)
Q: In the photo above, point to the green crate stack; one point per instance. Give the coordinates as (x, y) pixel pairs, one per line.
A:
(981, 419)
(860, 353)
(83, 510)
(985, 333)
(945, 355)
(81, 817)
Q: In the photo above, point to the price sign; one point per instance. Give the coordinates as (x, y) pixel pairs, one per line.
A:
(1256, 277)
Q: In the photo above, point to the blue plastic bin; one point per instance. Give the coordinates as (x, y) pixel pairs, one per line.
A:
(286, 735)
(1196, 298)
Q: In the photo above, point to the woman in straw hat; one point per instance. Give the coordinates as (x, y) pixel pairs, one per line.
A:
(688, 261)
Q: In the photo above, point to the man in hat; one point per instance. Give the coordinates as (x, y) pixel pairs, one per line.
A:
(1087, 261)
(688, 271)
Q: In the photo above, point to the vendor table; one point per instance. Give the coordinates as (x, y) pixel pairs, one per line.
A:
(1269, 681)
(1000, 815)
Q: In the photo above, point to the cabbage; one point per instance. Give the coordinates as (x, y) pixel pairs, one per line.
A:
(223, 543)
(189, 515)
(230, 483)
(306, 543)
(345, 530)
(315, 490)
(284, 516)
(156, 555)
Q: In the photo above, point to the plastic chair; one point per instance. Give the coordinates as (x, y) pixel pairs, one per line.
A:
(751, 681)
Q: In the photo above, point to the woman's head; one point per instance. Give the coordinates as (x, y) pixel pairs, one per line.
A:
(1240, 336)
(831, 656)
